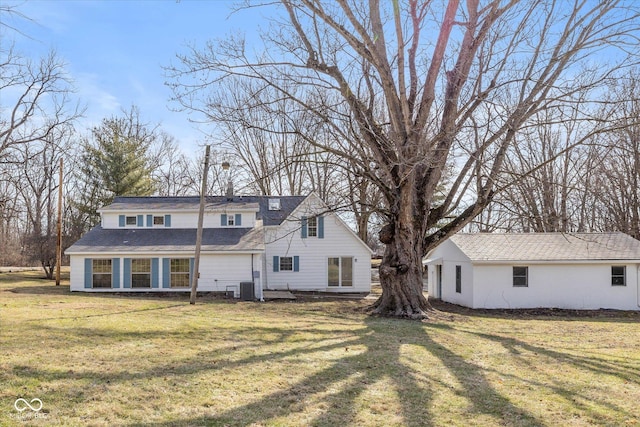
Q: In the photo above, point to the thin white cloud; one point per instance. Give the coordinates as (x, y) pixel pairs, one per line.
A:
(100, 102)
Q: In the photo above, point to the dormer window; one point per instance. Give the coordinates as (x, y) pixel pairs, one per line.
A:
(230, 220)
(274, 204)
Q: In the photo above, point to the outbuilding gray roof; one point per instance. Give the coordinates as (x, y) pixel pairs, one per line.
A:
(548, 246)
(171, 204)
(169, 239)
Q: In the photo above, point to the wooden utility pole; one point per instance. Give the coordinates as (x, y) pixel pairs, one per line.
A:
(196, 264)
(59, 240)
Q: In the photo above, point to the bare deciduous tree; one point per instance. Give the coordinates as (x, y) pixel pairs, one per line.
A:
(35, 100)
(618, 192)
(427, 88)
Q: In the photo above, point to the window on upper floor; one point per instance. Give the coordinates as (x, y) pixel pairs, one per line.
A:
(312, 227)
(158, 220)
(274, 204)
(230, 220)
(131, 220)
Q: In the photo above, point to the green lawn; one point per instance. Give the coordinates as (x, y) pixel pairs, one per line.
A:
(147, 361)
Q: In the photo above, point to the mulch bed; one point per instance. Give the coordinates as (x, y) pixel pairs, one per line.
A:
(533, 312)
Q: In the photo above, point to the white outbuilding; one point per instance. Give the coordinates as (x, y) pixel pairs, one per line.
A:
(581, 271)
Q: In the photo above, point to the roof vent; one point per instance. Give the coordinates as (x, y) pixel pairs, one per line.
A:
(274, 204)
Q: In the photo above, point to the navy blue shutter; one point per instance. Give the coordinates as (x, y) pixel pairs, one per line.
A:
(88, 272)
(127, 273)
(238, 219)
(149, 220)
(166, 272)
(115, 272)
(154, 272)
(296, 263)
(304, 227)
(167, 220)
(121, 220)
(276, 263)
(140, 220)
(223, 220)
(320, 227)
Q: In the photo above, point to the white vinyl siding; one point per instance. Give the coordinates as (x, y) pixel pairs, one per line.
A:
(179, 219)
(338, 241)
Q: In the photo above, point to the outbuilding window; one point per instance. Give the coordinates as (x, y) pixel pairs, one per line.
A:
(521, 277)
(618, 275)
(459, 279)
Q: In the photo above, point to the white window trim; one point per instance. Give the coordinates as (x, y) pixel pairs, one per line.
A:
(340, 285)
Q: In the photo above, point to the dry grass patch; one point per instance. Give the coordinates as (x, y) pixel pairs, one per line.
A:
(148, 361)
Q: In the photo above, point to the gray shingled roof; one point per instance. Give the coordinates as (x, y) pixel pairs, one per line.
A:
(169, 239)
(260, 203)
(548, 246)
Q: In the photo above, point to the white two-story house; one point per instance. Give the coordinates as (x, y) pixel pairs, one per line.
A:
(249, 242)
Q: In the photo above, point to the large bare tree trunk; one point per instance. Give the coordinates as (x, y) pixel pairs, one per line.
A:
(401, 275)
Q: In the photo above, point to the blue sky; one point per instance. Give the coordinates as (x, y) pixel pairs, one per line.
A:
(115, 50)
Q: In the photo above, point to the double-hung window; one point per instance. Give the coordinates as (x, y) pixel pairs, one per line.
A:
(101, 270)
(141, 273)
(180, 272)
(312, 226)
(520, 277)
(286, 263)
(618, 275)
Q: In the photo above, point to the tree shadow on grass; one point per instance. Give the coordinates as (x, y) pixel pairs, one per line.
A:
(340, 393)
(624, 370)
(341, 389)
